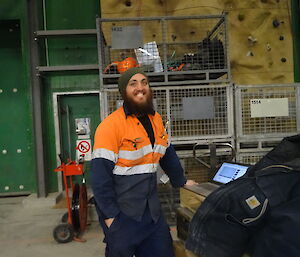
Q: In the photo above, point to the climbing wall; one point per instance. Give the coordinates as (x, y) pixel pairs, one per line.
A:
(260, 39)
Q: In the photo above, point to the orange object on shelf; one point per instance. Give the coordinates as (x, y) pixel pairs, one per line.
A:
(124, 65)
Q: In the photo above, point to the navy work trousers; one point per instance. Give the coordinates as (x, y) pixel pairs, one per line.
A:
(127, 237)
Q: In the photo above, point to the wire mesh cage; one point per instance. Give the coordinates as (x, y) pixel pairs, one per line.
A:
(200, 112)
(173, 48)
(191, 112)
(252, 150)
(267, 110)
(250, 158)
(197, 171)
(257, 145)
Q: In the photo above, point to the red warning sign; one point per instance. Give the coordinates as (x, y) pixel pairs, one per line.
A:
(83, 146)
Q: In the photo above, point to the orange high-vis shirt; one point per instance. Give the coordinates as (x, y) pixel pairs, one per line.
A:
(124, 141)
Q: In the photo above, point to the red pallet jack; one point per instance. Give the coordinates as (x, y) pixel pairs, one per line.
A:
(75, 220)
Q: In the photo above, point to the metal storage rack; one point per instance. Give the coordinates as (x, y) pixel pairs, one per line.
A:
(264, 115)
(250, 125)
(169, 56)
(250, 158)
(170, 102)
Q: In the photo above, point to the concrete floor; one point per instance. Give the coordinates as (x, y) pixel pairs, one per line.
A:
(26, 226)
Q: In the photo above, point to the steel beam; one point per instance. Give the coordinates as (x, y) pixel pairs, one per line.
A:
(36, 98)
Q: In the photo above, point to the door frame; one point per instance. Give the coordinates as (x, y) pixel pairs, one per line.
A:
(55, 97)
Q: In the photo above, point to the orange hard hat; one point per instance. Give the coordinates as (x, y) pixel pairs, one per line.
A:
(126, 64)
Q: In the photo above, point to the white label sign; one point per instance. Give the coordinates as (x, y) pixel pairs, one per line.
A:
(83, 148)
(269, 107)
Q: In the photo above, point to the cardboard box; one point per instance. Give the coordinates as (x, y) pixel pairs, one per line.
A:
(180, 251)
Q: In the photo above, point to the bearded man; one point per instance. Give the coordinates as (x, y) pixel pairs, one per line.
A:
(128, 147)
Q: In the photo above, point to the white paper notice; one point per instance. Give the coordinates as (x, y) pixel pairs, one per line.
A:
(269, 107)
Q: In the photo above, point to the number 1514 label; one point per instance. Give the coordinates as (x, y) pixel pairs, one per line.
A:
(269, 107)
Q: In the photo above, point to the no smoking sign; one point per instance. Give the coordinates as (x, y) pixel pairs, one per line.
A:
(83, 147)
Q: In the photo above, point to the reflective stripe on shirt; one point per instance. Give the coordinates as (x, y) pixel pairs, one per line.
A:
(134, 155)
(138, 169)
(159, 149)
(106, 154)
(140, 153)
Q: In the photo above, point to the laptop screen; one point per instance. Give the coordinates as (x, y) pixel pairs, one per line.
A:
(229, 171)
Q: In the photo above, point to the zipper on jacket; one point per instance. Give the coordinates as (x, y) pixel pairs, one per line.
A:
(287, 168)
(278, 166)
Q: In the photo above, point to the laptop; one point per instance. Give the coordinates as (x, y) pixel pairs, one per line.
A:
(226, 173)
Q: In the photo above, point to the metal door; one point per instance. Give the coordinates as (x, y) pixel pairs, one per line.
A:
(79, 116)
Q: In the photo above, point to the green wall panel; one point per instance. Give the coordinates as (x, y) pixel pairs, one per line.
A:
(75, 14)
(61, 15)
(74, 82)
(12, 9)
(72, 51)
(17, 165)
